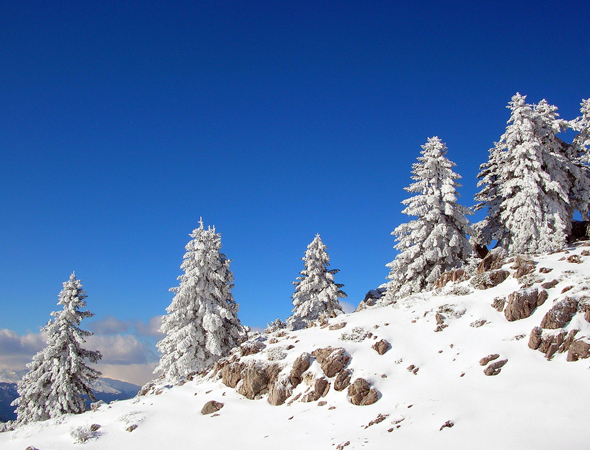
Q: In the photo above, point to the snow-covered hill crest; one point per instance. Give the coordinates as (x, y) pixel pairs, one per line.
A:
(458, 367)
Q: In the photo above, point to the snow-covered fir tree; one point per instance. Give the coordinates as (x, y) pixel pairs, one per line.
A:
(436, 241)
(532, 183)
(202, 325)
(581, 156)
(58, 377)
(316, 294)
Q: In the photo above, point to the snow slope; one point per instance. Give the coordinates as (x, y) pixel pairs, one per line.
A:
(532, 403)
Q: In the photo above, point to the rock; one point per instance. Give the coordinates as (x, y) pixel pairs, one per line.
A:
(342, 380)
(481, 251)
(545, 270)
(574, 259)
(256, 378)
(337, 326)
(523, 266)
(486, 359)
(560, 314)
(451, 276)
(131, 428)
(488, 280)
(250, 348)
(279, 392)
(494, 368)
(546, 341)
(567, 342)
(320, 389)
(332, 360)
(535, 339)
(567, 288)
(498, 304)
(579, 349)
(493, 260)
(211, 407)
(549, 284)
(521, 304)
(360, 393)
(300, 365)
(231, 373)
(381, 347)
(447, 424)
(440, 319)
(372, 297)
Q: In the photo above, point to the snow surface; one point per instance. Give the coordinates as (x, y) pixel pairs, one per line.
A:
(532, 404)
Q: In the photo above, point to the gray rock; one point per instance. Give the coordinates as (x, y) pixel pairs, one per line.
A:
(342, 380)
(300, 365)
(578, 350)
(332, 360)
(211, 406)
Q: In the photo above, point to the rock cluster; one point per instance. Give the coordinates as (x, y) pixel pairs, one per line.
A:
(361, 393)
(522, 303)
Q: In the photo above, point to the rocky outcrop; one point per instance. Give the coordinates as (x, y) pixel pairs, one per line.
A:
(360, 393)
(320, 389)
(498, 304)
(522, 266)
(250, 348)
(521, 304)
(451, 276)
(493, 260)
(579, 349)
(342, 380)
(332, 360)
(490, 279)
(536, 338)
(495, 368)
(211, 407)
(300, 365)
(560, 314)
(381, 346)
(550, 342)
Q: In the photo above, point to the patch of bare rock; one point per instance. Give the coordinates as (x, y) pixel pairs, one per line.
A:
(522, 303)
(211, 407)
(360, 393)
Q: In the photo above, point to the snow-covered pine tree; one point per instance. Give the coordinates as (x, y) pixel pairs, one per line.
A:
(316, 294)
(202, 325)
(581, 156)
(58, 377)
(436, 241)
(536, 180)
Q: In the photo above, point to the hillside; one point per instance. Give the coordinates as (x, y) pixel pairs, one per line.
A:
(429, 382)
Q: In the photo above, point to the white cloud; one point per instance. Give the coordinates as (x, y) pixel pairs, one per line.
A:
(109, 325)
(151, 328)
(119, 349)
(17, 351)
(347, 307)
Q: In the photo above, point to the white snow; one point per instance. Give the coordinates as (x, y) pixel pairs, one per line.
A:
(532, 404)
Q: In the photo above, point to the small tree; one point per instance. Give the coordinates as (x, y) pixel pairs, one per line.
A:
(202, 324)
(436, 241)
(316, 294)
(58, 377)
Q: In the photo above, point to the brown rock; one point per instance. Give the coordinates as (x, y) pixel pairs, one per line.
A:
(495, 367)
(381, 347)
(279, 392)
(567, 342)
(300, 365)
(561, 314)
(545, 270)
(574, 259)
(231, 373)
(250, 348)
(546, 341)
(536, 338)
(332, 360)
(360, 393)
(131, 428)
(320, 389)
(486, 359)
(488, 280)
(342, 380)
(337, 326)
(523, 266)
(521, 304)
(493, 260)
(549, 284)
(256, 378)
(498, 304)
(578, 350)
(451, 276)
(567, 288)
(211, 407)
(440, 319)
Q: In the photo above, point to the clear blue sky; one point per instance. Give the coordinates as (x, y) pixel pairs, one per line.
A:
(124, 122)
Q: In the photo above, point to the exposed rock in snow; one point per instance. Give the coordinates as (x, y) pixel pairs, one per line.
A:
(211, 407)
(521, 304)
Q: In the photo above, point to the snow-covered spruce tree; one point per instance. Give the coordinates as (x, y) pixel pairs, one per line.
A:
(581, 156)
(202, 325)
(436, 241)
(536, 182)
(316, 294)
(58, 377)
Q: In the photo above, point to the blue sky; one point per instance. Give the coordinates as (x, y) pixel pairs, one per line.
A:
(124, 122)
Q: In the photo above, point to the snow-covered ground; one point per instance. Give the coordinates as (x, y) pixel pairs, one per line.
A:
(532, 403)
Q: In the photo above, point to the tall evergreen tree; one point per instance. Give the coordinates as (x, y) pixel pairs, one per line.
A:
(581, 156)
(58, 377)
(436, 241)
(535, 184)
(202, 324)
(316, 294)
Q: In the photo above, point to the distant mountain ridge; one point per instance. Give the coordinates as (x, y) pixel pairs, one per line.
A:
(105, 389)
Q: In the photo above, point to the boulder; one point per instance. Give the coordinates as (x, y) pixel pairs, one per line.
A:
(579, 349)
(381, 346)
(490, 279)
(492, 261)
(257, 378)
(231, 373)
(495, 368)
(320, 389)
(332, 360)
(250, 348)
(523, 266)
(451, 276)
(342, 380)
(300, 365)
(211, 407)
(522, 303)
(536, 338)
(549, 284)
(279, 392)
(560, 314)
(486, 359)
(360, 393)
